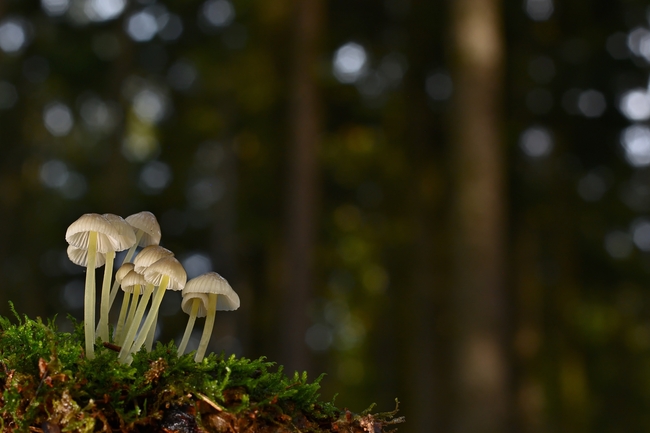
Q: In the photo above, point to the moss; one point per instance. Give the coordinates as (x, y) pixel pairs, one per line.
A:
(47, 384)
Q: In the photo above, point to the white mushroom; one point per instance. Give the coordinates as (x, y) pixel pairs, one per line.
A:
(132, 284)
(220, 297)
(126, 240)
(147, 232)
(165, 274)
(121, 319)
(93, 233)
(195, 305)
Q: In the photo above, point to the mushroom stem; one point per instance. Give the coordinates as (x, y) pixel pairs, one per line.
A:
(131, 314)
(133, 328)
(104, 306)
(89, 296)
(207, 327)
(129, 255)
(151, 334)
(121, 320)
(196, 303)
(151, 316)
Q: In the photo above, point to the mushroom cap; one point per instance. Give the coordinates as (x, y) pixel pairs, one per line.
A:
(186, 304)
(131, 279)
(107, 235)
(79, 257)
(167, 266)
(127, 235)
(147, 222)
(214, 283)
(122, 271)
(150, 255)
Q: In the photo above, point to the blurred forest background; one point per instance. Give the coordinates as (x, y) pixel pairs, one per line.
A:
(443, 202)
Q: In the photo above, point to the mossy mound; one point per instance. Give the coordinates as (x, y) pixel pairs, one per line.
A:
(48, 385)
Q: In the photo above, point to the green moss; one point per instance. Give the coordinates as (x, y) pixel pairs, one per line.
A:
(48, 383)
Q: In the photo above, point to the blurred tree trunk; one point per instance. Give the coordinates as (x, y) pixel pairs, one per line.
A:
(480, 380)
(302, 183)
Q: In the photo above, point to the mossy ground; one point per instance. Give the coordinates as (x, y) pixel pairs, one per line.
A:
(48, 385)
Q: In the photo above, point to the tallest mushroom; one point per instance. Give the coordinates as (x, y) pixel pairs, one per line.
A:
(93, 233)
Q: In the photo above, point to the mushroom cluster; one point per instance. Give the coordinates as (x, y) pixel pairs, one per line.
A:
(95, 239)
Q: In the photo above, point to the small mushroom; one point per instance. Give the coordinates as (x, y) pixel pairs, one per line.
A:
(121, 319)
(131, 284)
(126, 240)
(195, 305)
(220, 297)
(147, 232)
(93, 233)
(165, 274)
(150, 255)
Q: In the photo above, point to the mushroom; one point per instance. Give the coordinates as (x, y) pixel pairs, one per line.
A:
(126, 240)
(147, 232)
(195, 305)
(220, 297)
(148, 256)
(121, 319)
(93, 233)
(165, 274)
(132, 283)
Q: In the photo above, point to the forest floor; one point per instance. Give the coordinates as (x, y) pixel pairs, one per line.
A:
(48, 385)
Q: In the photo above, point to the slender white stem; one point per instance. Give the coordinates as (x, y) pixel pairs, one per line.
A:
(104, 307)
(131, 314)
(151, 334)
(207, 327)
(89, 301)
(121, 320)
(129, 255)
(196, 303)
(151, 316)
(133, 328)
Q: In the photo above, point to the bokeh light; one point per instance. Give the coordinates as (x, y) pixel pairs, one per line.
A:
(55, 8)
(150, 105)
(591, 103)
(217, 13)
(593, 186)
(638, 42)
(182, 75)
(350, 62)
(103, 10)
(635, 104)
(618, 244)
(640, 230)
(141, 26)
(539, 10)
(58, 119)
(196, 263)
(203, 193)
(13, 35)
(319, 337)
(536, 142)
(155, 176)
(98, 115)
(635, 140)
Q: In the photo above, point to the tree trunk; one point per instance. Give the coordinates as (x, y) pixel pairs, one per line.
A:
(478, 219)
(302, 183)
